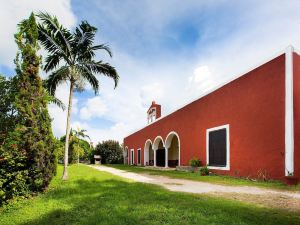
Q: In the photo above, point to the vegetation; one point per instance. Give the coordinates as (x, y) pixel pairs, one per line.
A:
(27, 145)
(204, 171)
(79, 149)
(217, 179)
(93, 197)
(195, 162)
(8, 114)
(71, 58)
(110, 152)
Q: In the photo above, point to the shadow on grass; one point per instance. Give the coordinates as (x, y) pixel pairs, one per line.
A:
(111, 201)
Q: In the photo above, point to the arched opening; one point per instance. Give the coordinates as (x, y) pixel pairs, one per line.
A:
(148, 154)
(159, 152)
(173, 146)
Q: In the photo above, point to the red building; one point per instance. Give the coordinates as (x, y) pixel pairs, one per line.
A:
(248, 127)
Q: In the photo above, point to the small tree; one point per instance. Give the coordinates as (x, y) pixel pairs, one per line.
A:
(110, 152)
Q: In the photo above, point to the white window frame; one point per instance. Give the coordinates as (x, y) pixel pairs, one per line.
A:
(131, 157)
(139, 163)
(227, 167)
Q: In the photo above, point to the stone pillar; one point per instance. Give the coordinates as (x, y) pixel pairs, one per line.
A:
(154, 156)
(166, 158)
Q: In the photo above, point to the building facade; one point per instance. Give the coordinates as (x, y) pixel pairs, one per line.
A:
(247, 127)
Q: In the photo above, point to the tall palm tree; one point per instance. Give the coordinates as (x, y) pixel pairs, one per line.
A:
(71, 58)
(79, 134)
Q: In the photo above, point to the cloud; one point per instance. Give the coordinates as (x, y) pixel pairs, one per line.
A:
(156, 59)
(14, 11)
(59, 116)
(93, 108)
(150, 92)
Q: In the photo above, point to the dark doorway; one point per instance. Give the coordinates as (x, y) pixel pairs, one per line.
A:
(160, 157)
(139, 157)
(217, 148)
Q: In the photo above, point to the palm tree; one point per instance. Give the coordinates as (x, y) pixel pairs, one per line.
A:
(79, 134)
(71, 59)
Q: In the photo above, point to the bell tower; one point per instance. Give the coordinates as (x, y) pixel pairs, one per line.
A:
(154, 112)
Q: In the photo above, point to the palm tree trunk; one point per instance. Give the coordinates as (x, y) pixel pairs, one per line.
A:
(66, 158)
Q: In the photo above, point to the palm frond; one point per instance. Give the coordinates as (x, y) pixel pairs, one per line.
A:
(56, 101)
(88, 75)
(104, 69)
(52, 61)
(55, 78)
(52, 45)
(62, 34)
(102, 47)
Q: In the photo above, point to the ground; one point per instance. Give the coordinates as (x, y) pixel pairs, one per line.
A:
(95, 197)
(276, 198)
(215, 179)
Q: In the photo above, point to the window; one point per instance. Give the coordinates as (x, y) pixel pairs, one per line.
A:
(131, 156)
(217, 147)
(139, 156)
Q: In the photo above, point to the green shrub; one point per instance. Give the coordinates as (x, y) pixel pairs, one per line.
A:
(204, 171)
(110, 151)
(194, 162)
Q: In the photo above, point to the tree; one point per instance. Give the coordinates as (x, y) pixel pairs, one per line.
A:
(79, 134)
(110, 152)
(75, 53)
(7, 109)
(28, 160)
(77, 147)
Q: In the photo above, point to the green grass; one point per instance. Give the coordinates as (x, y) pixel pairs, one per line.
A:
(225, 180)
(92, 197)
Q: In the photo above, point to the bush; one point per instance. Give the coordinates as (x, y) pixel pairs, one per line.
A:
(110, 151)
(204, 171)
(194, 162)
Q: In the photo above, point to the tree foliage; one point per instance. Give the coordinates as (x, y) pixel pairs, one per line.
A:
(27, 162)
(77, 145)
(110, 151)
(8, 114)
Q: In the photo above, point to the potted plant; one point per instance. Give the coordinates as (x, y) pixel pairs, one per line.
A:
(290, 179)
(194, 163)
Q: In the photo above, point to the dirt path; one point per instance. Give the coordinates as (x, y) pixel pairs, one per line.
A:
(265, 197)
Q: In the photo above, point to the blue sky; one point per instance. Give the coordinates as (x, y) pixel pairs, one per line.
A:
(171, 51)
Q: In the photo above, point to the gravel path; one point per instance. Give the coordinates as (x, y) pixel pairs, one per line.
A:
(191, 186)
(266, 197)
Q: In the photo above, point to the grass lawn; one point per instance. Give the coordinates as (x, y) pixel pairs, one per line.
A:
(94, 197)
(225, 180)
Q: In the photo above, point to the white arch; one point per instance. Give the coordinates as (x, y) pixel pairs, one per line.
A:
(156, 142)
(168, 142)
(146, 151)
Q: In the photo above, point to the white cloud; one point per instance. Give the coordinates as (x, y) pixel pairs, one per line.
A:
(58, 115)
(151, 92)
(14, 11)
(201, 80)
(94, 107)
(172, 79)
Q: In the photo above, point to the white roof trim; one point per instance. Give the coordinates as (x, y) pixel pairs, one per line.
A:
(218, 87)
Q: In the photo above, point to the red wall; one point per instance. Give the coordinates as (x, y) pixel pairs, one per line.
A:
(252, 105)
